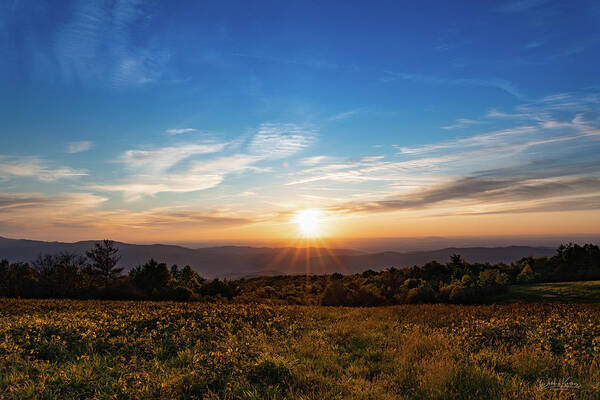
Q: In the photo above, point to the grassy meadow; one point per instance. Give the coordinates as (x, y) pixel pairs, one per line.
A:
(71, 349)
(566, 292)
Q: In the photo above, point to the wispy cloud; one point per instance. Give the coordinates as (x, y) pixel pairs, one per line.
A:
(537, 123)
(34, 167)
(175, 183)
(547, 158)
(497, 83)
(99, 42)
(462, 123)
(180, 130)
(481, 140)
(346, 114)
(314, 160)
(25, 214)
(187, 168)
(78, 147)
(276, 141)
(576, 48)
(576, 203)
(152, 171)
(534, 45)
(11, 201)
(228, 164)
(481, 195)
(161, 159)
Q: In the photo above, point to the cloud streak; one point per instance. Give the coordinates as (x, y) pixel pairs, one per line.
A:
(462, 123)
(36, 168)
(79, 147)
(160, 160)
(187, 167)
(547, 158)
(276, 141)
(26, 214)
(180, 130)
(497, 83)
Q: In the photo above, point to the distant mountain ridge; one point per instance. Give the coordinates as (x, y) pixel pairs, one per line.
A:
(240, 261)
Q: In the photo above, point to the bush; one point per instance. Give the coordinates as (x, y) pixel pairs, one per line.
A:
(335, 294)
(464, 295)
(422, 294)
(220, 288)
(526, 274)
(367, 297)
(181, 293)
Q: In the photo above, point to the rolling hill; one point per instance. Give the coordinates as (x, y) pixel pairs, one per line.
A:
(240, 261)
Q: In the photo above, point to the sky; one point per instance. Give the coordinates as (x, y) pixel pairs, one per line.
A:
(190, 121)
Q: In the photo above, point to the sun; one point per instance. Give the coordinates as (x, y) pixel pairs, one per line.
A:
(309, 223)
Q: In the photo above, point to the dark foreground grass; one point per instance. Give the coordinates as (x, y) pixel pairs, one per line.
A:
(565, 292)
(121, 350)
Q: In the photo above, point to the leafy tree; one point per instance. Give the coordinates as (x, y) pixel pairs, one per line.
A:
(466, 280)
(17, 280)
(456, 259)
(335, 294)
(336, 276)
(150, 276)
(189, 278)
(526, 274)
(422, 294)
(502, 279)
(61, 275)
(175, 273)
(217, 287)
(104, 258)
(488, 277)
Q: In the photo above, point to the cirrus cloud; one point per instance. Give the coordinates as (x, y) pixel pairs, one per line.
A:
(78, 147)
(34, 167)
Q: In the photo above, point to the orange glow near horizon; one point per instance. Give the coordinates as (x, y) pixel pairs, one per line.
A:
(282, 230)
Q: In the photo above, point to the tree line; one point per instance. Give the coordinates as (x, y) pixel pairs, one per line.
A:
(95, 275)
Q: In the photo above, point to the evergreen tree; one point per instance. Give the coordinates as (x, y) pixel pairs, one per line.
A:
(104, 258)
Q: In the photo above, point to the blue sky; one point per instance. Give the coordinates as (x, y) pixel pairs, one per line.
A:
(194, 120)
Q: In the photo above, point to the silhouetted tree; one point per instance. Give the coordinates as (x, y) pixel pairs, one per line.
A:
(150, 276)
(64, 275)
(104, 258)
(217, 287)
(17, 280)
(189, 278)
(61, 275)
(456, 259)
(175, 273)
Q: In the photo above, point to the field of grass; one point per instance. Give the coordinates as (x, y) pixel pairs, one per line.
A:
(62, 349)
(567, 292)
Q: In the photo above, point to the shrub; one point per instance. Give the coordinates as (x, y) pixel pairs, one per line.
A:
(335, 294)
(526, 274)
(181, 293)
(423, 294)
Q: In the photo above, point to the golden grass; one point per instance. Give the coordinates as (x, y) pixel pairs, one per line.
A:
(62, 349)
